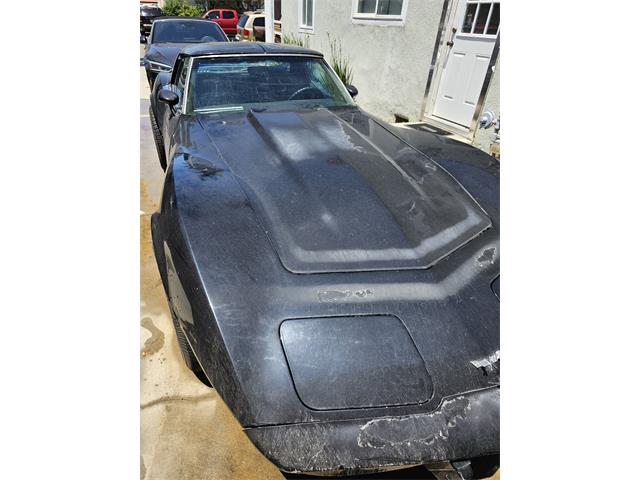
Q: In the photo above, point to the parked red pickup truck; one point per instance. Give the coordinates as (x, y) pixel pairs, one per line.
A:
(227, 19)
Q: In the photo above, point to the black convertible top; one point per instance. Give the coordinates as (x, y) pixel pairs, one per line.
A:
(249, 48)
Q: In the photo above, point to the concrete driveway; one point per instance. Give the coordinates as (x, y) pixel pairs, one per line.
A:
(186, 430)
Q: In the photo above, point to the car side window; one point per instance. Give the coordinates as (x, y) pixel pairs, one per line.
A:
(227, 15)
(213, 15)
(182, 77)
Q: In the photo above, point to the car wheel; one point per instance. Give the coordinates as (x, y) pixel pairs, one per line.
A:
(187, 354)
(157, 137)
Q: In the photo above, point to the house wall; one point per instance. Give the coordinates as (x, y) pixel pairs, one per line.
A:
(390, 63)
(485, 137)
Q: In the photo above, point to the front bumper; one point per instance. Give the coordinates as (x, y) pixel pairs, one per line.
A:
(465, 426)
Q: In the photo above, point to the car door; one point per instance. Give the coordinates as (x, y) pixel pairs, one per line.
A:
(258, 29)
(228, 24)
(172, 116)
(213, 15)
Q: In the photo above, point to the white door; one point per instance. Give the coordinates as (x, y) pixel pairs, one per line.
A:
(472, 36)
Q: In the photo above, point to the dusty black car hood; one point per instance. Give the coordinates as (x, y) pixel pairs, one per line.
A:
(335, 195)
(164, 52)
(235, 180)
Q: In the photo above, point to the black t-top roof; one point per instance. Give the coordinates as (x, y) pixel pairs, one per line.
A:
(249, 48)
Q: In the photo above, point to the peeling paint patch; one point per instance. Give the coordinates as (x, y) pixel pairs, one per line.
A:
(426, 431)
(487, 362)
(338, 295)
(488, 255)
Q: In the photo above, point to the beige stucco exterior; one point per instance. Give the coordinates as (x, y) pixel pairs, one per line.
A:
(485, 137)
(390, 63)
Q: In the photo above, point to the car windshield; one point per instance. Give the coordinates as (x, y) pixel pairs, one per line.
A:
(150, 11)
(187, 31)
(279, 82)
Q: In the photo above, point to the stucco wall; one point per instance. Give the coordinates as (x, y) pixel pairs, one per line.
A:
(390, 63)
(485, 137)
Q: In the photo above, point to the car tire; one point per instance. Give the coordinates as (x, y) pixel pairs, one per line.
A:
(157, 137)
(187, 354)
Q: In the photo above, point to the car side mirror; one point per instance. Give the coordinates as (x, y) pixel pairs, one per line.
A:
(143, 39)
(353, 91)
(168, 96)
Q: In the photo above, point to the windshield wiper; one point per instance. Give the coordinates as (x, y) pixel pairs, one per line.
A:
(237, 108)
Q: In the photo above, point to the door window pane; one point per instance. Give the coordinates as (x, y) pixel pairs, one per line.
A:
(389, 7)
(468, 17)
(277, 9)
(307, 13)
(366, 6)
(494, 22)
(227, 14)
(481, 21)
(182, 78)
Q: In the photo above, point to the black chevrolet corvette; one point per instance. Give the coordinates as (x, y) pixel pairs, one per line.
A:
(334, 277)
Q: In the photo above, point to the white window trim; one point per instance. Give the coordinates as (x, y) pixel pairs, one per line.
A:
(475, 19)
(375, 19)
(305, 28)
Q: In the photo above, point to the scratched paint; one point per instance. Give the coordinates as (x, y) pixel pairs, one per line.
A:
(338, 295)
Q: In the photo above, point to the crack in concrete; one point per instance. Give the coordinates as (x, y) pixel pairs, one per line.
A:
(177, 398)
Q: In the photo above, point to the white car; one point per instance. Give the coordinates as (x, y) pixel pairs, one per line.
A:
(246, 24)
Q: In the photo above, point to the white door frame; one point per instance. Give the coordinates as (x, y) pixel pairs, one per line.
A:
(438, 59)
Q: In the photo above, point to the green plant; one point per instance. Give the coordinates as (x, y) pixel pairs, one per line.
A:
(181, 8)
(293, 40)
(339, 61)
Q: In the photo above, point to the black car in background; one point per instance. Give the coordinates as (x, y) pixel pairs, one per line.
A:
(169, 35)
(148, 13)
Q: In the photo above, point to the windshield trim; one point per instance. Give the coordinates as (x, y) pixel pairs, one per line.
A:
(190, 110)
